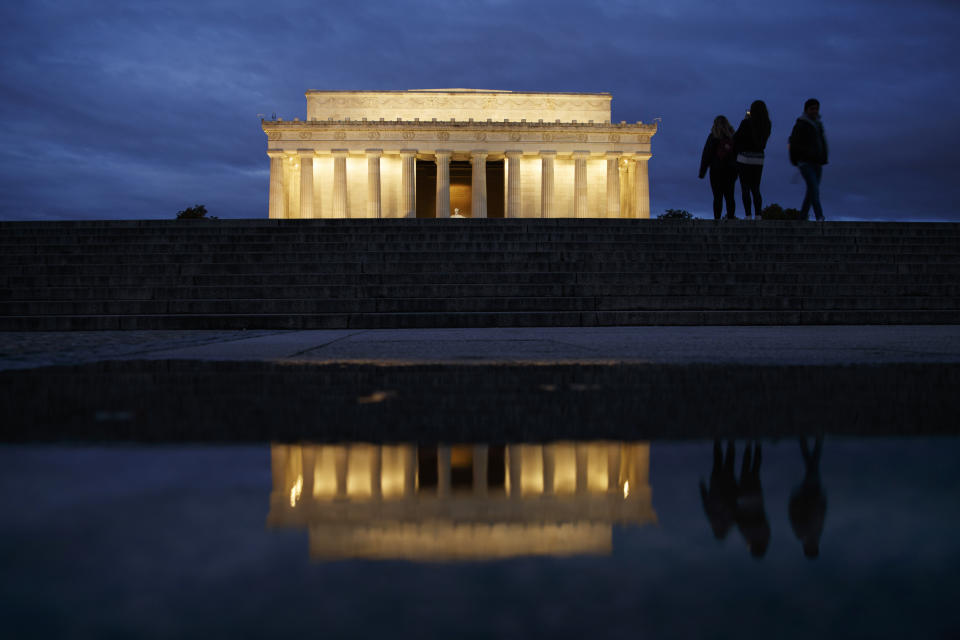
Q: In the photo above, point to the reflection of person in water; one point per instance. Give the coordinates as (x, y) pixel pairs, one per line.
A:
(750, 515)
(720, 500)
(808, 503)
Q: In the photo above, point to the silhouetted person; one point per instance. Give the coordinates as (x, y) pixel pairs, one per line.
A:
(720, 158)
(720, 499)
(808, 503)
(750, 140)
(751, 517)
(808, 152)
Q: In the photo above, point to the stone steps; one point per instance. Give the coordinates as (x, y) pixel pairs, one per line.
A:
(451, 273)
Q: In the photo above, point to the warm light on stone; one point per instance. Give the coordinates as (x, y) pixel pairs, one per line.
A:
(356, 156)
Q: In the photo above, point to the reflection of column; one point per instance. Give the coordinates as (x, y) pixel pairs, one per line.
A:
(480, 462)
(409, 470)
(549, 467)
(279, 458)
(613, 184)
(340, 468)
(306, 183)
(408, 183)
(516, 470)
(513, 184)
(443, 183)
(340, 183)
(276, 205)
(443, 471)
(613, 467)
(373, 182)
(581, 453)
(309, 470)
(375, 471)
(642, 190)
(546, 183)
(478, 188)
(580, 184)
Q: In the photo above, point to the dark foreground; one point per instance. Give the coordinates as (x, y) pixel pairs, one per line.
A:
(172, 541)
(184, 498)
(193, 401)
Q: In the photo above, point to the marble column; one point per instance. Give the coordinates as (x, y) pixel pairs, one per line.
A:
(580, 184)
(276, 205)
(373, 182)
(546, 184)
(306, 183)
(613, 184)
(443, 182)
(408, 183)
(514, 195)
(641, 206)
(340, 183)
(478, 186)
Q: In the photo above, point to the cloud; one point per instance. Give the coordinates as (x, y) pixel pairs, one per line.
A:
(134, 108)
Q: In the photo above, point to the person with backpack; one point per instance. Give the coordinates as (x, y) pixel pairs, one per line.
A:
(750, 140)
(719, 157)
(808, 152)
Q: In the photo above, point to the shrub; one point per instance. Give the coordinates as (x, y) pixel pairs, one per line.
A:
(675, 214)
(776, 212)
(192, 213)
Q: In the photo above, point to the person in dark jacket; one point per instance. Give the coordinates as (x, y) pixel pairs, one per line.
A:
(808, 152)
(719, 157)
(750, 140)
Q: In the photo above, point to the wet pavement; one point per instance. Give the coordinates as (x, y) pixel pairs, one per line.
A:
(811, 345)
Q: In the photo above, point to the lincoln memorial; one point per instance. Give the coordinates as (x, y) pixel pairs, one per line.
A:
(458, 153)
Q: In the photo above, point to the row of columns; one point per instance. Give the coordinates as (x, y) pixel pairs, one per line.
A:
(478, 161)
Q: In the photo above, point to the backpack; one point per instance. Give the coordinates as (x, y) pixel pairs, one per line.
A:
(724, 149)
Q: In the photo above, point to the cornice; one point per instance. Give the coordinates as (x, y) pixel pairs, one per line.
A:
(438, 131)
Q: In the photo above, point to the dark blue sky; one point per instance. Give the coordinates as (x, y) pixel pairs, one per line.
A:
(139, 109)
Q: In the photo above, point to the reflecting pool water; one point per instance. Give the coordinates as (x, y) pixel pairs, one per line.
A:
(789, 538)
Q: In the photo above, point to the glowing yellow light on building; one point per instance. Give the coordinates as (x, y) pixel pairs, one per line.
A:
(296, 490)
(626, 488)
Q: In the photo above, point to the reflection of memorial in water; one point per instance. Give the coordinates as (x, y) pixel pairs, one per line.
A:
(460, 502)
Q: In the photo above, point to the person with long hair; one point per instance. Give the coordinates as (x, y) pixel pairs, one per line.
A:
(718, 156)
(750, 140)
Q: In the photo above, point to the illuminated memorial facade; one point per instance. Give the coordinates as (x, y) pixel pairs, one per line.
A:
(460, 502)
(433, 153)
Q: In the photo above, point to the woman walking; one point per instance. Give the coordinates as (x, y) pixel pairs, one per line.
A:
(750, 141)
(718, 156)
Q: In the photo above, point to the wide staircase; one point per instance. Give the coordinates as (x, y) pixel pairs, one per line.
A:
(335, 274)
